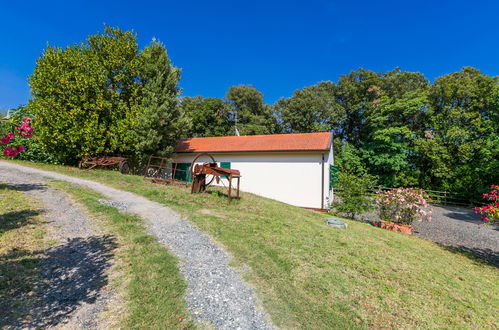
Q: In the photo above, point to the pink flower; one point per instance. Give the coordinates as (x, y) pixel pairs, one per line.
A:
(6, 140)
(11, 135)
(26, 119)
(19, 149)
(10, 152)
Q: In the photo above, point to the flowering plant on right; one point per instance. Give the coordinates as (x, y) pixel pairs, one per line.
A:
(403, 206)
(490, 213)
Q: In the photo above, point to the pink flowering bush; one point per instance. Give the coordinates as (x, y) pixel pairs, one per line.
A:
(11, 143)
(490, 213)
(403, 206)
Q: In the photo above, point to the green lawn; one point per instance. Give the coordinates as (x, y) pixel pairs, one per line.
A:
(312, 276)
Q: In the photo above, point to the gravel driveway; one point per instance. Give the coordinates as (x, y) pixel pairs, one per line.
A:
(461, 228)
(216, 293)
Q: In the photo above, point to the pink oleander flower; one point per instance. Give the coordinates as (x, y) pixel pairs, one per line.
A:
(20, 149)
(6, 140)
(10, 152)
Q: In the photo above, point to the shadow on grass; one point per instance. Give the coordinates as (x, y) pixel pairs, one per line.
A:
(68, 275)
(479, 255)
(16, 219)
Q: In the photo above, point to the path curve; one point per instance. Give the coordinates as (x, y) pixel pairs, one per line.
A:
(216, 293)
(74, 272)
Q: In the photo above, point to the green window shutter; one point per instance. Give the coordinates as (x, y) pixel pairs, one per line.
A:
(225, 165)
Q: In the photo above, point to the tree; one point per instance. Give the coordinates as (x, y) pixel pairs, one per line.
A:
(460, 151)
(205, 117)
(311, 109)
(355, 93)
(253, 115)
(86, 97)
(159, 121)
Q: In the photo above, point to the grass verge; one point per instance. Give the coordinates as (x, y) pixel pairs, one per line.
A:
(146, 275)
(22, 241)
(312, 276)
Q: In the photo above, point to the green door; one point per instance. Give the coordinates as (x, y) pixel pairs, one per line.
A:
(182, 172)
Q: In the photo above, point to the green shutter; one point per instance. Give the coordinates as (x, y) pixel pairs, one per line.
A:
(225, 165)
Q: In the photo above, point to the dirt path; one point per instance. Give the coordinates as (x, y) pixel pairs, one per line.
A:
(73, 272)
(216, 293)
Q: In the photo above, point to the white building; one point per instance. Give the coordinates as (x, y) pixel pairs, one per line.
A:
(292, 168)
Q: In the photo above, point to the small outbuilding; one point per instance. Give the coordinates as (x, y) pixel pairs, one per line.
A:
(292, 168)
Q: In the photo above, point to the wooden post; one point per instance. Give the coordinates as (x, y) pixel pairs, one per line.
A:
(238, 179)
(230, 185)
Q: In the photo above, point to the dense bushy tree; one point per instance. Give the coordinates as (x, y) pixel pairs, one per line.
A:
(104, 97)
(86, 97)
(311, 109)
(205, 117)
(253, 115)
(460, 151)
(159, 121)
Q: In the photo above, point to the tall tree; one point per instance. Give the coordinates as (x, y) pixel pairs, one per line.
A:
(311, 109)
(205, 117)
(86, 97)
(460, 151)
(356, 93)
(159, 122)
(253, 115)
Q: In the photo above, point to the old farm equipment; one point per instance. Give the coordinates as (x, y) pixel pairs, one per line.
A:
(91, 162)
(204, 174)
(166, 170)
(171, 171)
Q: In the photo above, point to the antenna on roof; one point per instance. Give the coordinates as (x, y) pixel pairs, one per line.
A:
(236, 131)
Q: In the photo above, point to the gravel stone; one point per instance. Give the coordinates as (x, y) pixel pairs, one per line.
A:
(461, 228)
(73, 272)
(456, 227)
(216, 293)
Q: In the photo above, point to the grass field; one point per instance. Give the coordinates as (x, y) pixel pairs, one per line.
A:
(312, 276)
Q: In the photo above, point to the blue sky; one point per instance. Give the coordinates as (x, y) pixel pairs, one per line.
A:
(277, 46)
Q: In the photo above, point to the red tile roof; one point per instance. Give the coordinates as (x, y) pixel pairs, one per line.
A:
(248, 143)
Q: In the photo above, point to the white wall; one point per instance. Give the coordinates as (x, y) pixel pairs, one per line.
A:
(293, 178)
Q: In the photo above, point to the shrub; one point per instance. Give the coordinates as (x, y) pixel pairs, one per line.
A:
(11, 144)
(403, 205)
(351, 191)
(490, 213)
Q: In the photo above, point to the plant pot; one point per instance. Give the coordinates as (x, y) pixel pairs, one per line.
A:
(406, 229)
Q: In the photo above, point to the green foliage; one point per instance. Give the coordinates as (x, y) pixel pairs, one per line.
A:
(351, 191)
(460, 152)
(253, 115)
(353, 182)
(205, 117)
(104, 97)
(86, 97)
(159, 121)
(311, 109)
(34, 150)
